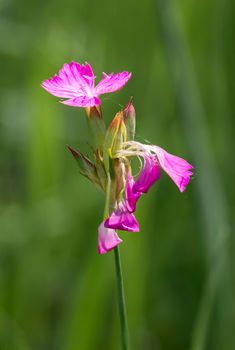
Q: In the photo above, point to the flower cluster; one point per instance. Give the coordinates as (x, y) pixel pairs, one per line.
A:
(114, 149)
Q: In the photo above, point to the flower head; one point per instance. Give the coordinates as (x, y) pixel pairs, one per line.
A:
(76, 83)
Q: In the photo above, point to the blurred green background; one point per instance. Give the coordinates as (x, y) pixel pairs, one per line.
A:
(56, 293)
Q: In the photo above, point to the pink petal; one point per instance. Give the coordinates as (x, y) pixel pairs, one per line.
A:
(112, 82)
(73, 81)
(87, 74)
(107, 239)
(150, 173)
(131, 197)
(177, 168)
(82, 101)
(121, 219)
(57, 87)
(77, 75)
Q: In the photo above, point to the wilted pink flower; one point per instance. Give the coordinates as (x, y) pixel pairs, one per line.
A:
(107, 239)
(154, 157)
(77, 83)
(122, 219)
(177, 168)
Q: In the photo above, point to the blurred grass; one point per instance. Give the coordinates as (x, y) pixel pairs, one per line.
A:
(55, 291)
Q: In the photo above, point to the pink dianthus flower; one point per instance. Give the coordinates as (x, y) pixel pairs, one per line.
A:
(76, 83)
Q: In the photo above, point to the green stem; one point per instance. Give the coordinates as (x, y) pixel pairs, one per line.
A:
(119, 278)
(121, 300)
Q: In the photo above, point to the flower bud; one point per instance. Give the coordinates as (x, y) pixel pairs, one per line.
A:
(96, 127)
(110, 137)
(129, 120)
(120, 138)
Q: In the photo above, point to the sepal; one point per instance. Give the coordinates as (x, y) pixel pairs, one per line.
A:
(87, 168)
(96, 127)
(100, 170)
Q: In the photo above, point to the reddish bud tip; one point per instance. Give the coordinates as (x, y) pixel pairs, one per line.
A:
(93, 112)
(129, 110)
(129, 120)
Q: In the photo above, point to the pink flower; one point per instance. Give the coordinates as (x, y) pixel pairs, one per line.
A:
(107, 239)
(77, 83)
(122, 219)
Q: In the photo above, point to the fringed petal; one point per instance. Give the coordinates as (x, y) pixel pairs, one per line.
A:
(112, 82)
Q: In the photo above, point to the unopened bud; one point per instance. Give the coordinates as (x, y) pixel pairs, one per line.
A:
(110, 137)
(120, 138)
(129, 120)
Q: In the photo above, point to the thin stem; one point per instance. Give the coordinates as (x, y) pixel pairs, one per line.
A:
(121, 300)
(120, 287)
